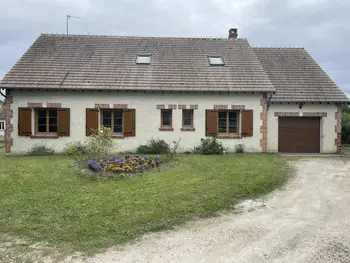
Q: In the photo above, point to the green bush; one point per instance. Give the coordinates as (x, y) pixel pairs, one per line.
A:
(239, 148)
(40, 150)
(346, 128)
(100, 144)
(209, 146)
(154, 146)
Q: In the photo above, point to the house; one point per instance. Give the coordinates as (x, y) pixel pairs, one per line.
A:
(268, 99)
(2, 121)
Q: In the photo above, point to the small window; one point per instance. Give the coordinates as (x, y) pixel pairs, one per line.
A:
(2, 125)
(166, 118)
(46, 121)
(187, 118)
(228, 122)
(112, 119)
(216, 61)
(143, 59)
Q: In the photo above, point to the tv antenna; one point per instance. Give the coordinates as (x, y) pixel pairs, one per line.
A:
(67, 21)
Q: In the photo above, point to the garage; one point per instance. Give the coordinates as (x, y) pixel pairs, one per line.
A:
(299, 134)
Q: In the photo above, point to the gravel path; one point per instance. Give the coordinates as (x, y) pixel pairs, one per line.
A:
(309, 221)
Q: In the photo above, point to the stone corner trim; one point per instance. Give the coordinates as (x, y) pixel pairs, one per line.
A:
(263, 127)
(101, 106)
(286, 114)
(314, 114)
(8, 118)
(338, 116)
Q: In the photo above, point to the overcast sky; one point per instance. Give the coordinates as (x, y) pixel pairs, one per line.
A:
(321, 26)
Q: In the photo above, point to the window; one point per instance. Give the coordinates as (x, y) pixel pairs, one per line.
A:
(113, 119)
(166, 118)
(216, 61)
(46, 121)
(2, 125)
(187, 118)
(143, 59)
(228, 122)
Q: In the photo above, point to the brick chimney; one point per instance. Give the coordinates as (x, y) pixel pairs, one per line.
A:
(232, 33)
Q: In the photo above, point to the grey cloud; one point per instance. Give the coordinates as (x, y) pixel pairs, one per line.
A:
(322, 27)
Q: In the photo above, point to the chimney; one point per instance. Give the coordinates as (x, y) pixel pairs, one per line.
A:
(232, 33)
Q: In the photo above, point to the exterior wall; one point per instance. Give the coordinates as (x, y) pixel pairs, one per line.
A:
(329, 124)
(147, 116)
(2, 131)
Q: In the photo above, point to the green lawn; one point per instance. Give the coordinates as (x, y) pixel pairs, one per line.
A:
(44, 200)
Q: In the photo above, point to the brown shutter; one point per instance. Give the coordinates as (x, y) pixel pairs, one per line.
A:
(129, 119)
(211, 122)
(24, 121)
(247, 123)
(63, 128)
(91, 121)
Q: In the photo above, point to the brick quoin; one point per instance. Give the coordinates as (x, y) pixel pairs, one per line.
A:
(102, 106)
(53, 105)
(8, 119)
(263, 127)
(338, 117)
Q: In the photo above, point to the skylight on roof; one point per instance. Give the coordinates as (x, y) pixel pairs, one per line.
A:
(143, 59)
(216, 61)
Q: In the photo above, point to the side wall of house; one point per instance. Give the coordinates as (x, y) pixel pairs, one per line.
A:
(329, 124)
(147, 116)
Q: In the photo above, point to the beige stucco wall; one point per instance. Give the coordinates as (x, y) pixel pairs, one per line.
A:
(147, 116)
(328, 134)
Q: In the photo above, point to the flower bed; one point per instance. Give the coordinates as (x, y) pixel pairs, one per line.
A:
(124, 165)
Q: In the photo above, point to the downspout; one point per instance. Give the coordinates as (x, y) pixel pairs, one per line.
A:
(269, 99)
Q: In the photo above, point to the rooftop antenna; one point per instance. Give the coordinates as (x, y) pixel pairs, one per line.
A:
(68, 18)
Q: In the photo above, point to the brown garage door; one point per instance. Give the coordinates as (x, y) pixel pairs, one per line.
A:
(299, 135)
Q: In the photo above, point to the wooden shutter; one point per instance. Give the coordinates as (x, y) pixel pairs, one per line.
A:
(211, 122)
(247, 123)
(63, 128)
(129, 121)
(91, 121)
(24, 121)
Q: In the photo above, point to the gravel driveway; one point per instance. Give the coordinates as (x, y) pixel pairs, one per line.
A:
(308, 221)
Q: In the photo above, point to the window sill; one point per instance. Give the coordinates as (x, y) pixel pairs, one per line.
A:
(188, 129)
(119, 136)
(229, 136)
(44, 136)
(166, 129)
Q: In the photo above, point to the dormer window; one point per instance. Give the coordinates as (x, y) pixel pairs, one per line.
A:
(216, 61)
(143, 59)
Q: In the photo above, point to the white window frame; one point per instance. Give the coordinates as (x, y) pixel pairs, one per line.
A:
(211, 62)
(140, 59)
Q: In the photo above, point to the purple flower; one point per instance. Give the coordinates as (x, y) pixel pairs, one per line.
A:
(94, 165)
(127, 156)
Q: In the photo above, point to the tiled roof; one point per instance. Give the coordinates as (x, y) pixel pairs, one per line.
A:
(108, 62)
(297, 77)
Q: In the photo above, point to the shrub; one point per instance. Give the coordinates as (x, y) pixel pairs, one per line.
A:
(239, 148)
(126, 166)
(40, 150)
(209, 146)
(346, 128)
(100, 144)
(154, 146)
(76, 148)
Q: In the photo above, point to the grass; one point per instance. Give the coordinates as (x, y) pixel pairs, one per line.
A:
(43, 199)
